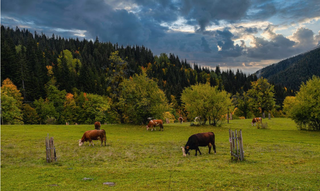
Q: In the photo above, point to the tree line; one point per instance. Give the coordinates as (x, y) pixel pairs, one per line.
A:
(54, 72)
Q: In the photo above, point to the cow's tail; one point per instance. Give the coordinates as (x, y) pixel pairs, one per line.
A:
(213, 142)
(161, 126)
(104, 137)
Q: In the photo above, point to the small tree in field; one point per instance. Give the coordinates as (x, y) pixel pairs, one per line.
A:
(306, 109)
(205, 101)
(261, 96)
(141, 98)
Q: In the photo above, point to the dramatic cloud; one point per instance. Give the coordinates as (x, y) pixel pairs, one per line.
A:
(244, 34)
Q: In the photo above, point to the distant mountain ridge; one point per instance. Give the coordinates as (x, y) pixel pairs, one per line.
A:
(291, 72)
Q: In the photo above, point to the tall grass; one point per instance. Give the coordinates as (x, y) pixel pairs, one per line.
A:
(277, 158)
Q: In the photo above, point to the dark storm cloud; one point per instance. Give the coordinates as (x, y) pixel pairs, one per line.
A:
(262, 10)
(300, 10)
(207, 11)
(205, 45)
(158, 10)
(94, 16)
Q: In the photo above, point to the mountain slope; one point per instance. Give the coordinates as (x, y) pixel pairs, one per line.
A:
(293, 71)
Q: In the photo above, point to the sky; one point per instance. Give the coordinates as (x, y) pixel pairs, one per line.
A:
(234, 34)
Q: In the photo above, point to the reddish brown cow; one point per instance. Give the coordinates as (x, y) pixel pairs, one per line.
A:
(97, 125)
(255, 120)
(153, 123)
(93, 135)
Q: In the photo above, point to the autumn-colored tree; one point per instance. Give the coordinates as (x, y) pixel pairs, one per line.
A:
(9, 89)
(70, 109)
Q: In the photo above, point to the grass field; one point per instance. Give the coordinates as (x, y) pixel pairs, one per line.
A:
(278, 158)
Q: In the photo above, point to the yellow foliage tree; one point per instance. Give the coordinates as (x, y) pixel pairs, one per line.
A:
(168, 115)
(9, 89)
(288, 104)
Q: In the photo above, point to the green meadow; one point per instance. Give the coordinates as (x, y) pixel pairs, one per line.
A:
(277, 158)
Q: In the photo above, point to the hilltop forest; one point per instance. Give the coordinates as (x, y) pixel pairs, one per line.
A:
(293, 71)
(33, 61)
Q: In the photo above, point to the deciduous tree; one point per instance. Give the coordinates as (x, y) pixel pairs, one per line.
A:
(306, 109)
(205, 101)
(261, 96)
(141, 98)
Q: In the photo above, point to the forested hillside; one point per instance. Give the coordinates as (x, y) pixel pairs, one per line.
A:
(47, 70)
(90, 67)
(293, 71)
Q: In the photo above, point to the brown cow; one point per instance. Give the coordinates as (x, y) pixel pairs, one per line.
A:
(97, 125)
(153, 123)
(255, 120)
(93, 135)
(200, 139)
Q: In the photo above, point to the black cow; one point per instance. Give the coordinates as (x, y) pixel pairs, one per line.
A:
(200, 139)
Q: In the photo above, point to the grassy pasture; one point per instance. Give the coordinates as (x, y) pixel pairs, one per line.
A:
(277, 158)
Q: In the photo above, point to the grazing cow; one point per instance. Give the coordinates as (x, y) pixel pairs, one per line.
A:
(180, 119)
(93, 135)
(153, 123)
(200, 139)
(97, 125)
(255, 120)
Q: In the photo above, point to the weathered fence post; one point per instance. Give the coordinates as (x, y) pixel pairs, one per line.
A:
(50, 150)
(231, 145)
(236, 144)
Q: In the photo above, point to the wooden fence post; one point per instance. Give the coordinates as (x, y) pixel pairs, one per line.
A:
(236, 144)
(241, 145)
(47, 149)
(50, 150)
(230, 140)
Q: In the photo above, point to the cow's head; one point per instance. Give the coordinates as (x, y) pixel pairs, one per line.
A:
(147, 127)
(80, 143)
(185, 150)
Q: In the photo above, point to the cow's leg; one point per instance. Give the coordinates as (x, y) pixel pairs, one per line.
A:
(90, 142)
(209, 147)
(214, 148)
(197, 149)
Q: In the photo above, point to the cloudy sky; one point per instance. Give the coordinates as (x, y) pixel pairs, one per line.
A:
(235, 34)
